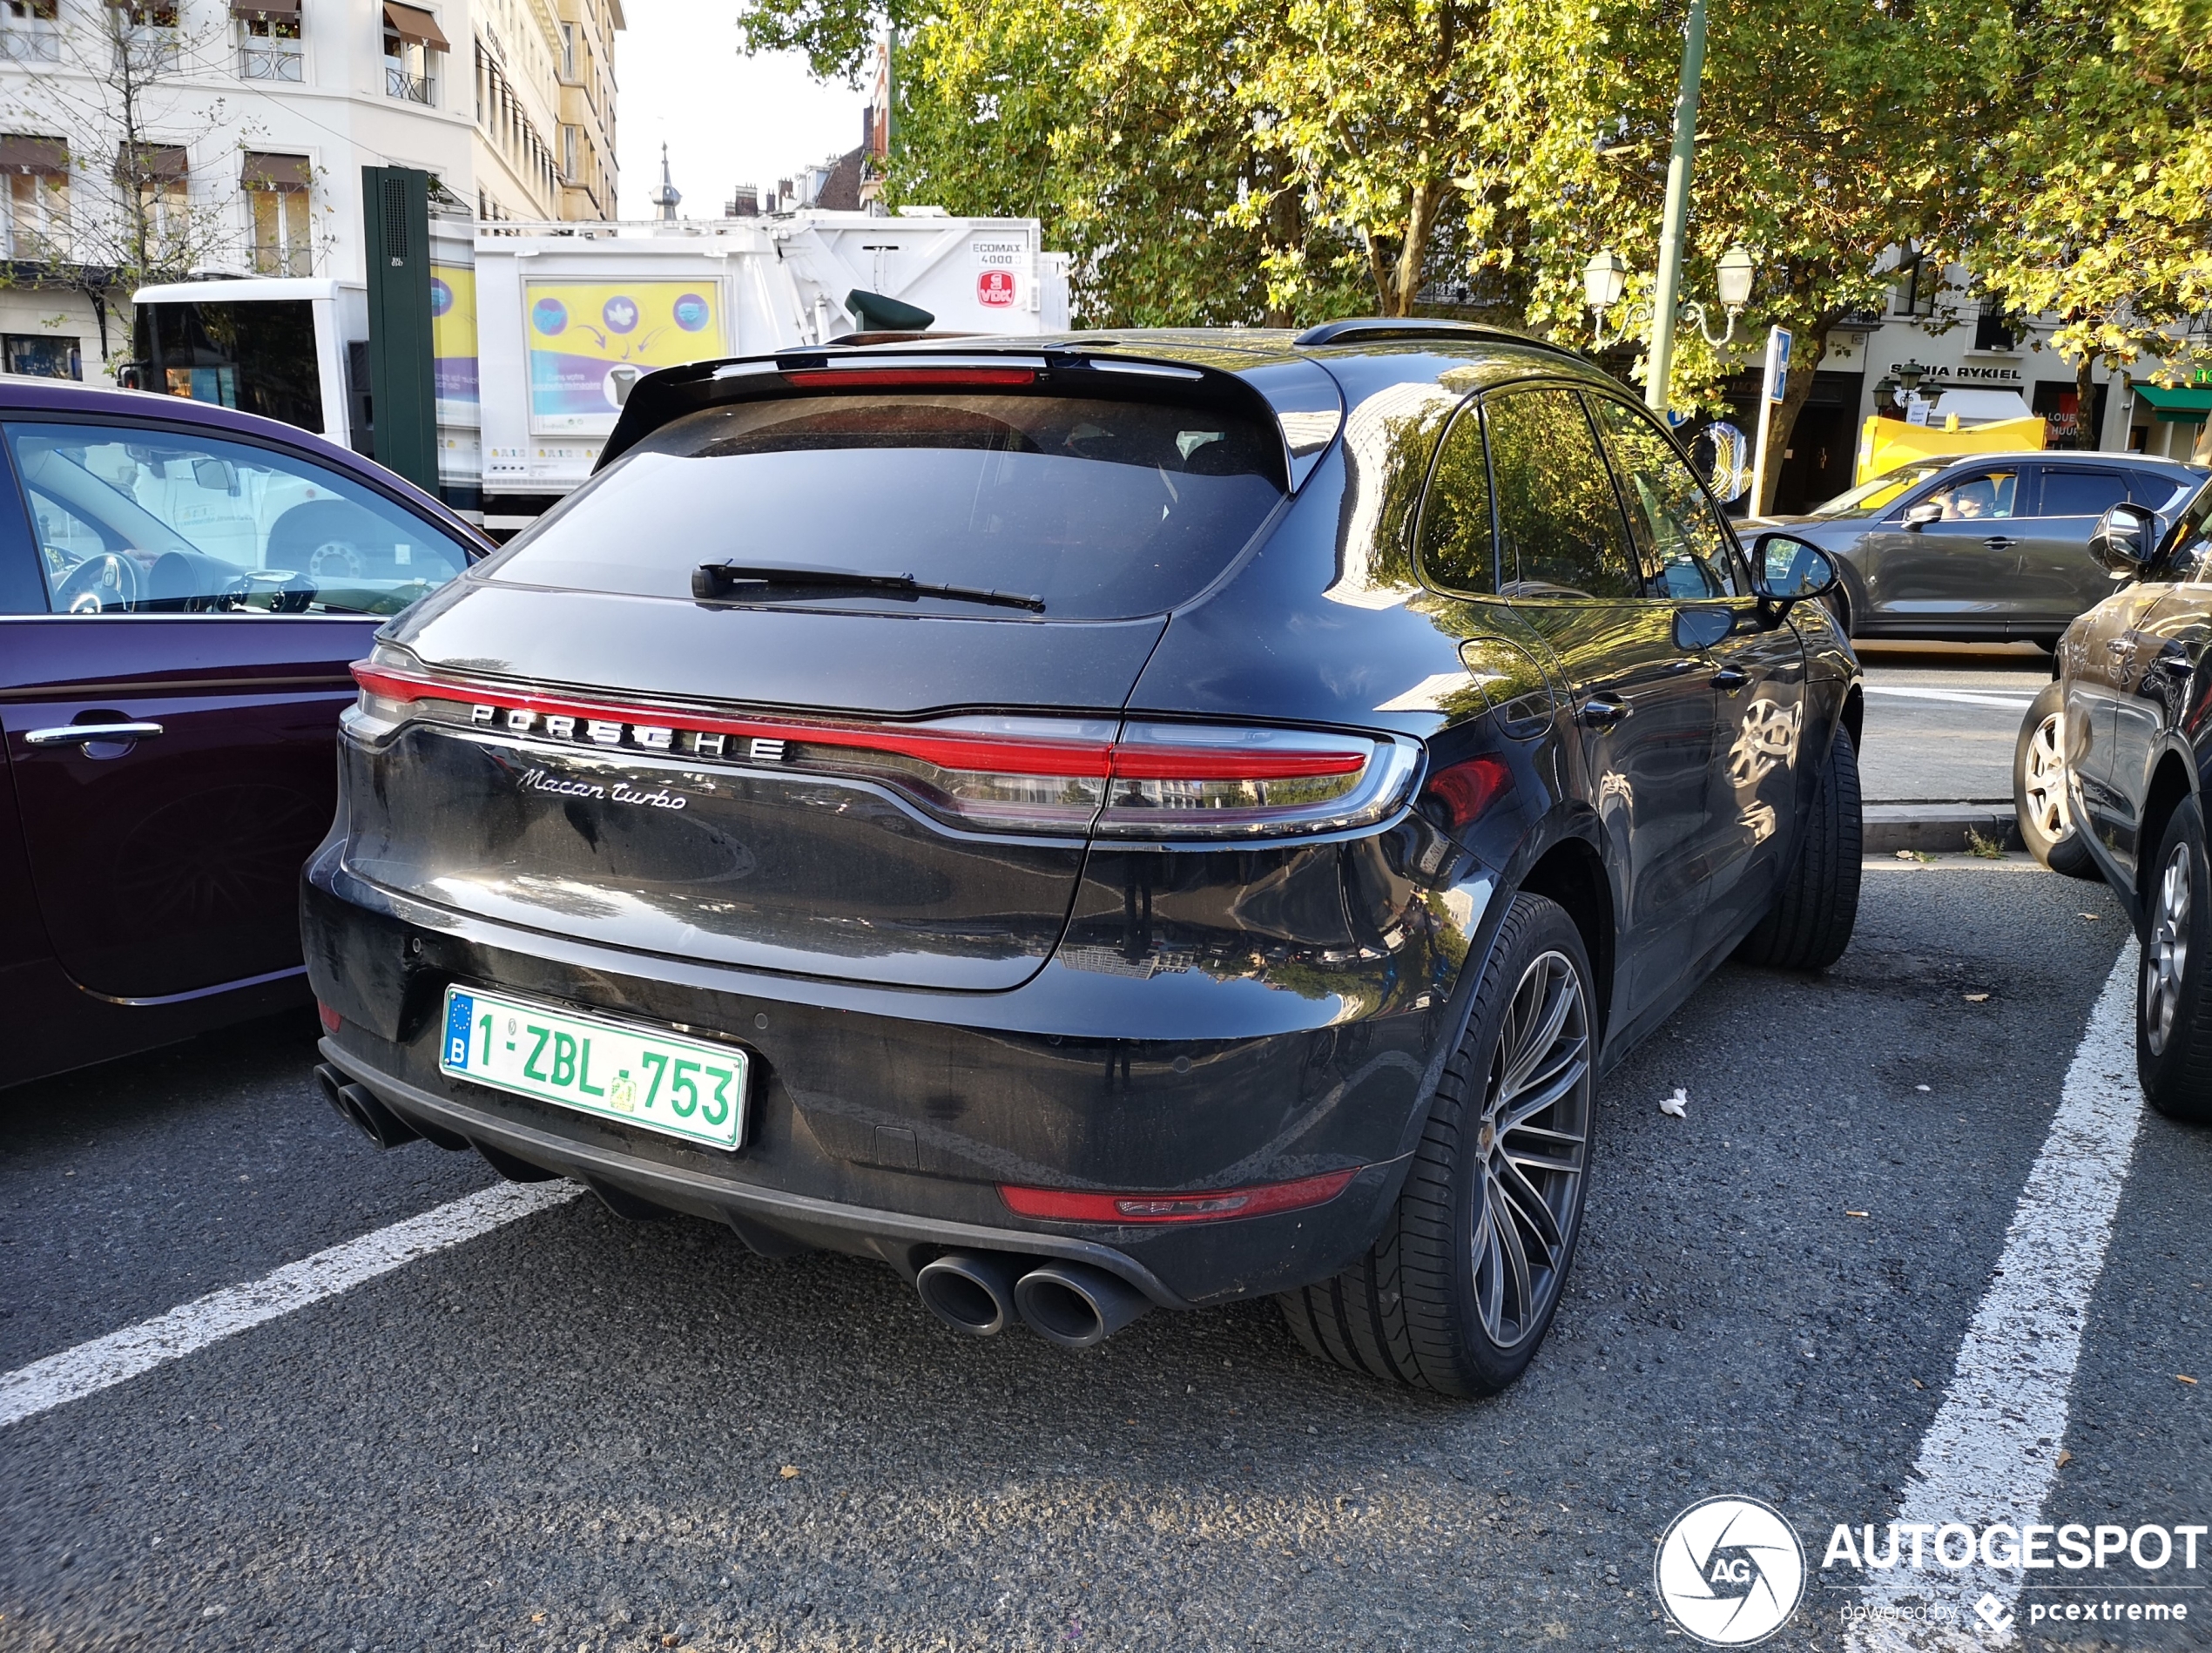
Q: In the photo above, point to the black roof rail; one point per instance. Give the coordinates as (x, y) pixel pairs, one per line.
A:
(1352, 329)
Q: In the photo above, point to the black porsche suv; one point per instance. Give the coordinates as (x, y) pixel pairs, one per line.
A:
(1094, 822)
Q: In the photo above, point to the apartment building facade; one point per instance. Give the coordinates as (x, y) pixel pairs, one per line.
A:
(248, 123)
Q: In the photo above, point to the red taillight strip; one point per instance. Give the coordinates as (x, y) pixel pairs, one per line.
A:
(989, 754)
(1065, 1205)
(908, 378)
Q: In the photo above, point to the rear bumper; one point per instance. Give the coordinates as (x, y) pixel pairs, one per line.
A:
(885, 1119)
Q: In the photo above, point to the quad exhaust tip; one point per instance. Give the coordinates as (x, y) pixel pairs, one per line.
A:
(359, 1108)
(1076, 1305)
(971, 1291)
(1070, 1304)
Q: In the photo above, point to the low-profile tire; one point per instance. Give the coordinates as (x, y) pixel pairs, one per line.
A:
(2173, 985)
(2038, 789)
(1811, 923)
(1461, 1285)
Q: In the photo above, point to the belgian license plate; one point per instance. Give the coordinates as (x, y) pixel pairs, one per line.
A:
(681, 1086)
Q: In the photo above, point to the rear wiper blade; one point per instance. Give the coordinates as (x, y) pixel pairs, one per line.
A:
(712, 580)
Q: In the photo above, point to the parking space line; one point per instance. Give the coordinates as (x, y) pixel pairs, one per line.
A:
(119, 1356)
(1963, 697)
(1991, 1454)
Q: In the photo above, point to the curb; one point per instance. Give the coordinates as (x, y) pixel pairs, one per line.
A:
(1888, 827)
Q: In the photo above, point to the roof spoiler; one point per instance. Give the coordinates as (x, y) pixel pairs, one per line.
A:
(1378, 329)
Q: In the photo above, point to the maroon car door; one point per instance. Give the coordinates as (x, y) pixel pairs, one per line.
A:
(170, 717)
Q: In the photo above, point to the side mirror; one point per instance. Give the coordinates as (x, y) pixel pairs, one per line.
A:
(1921, 514)
(2123, 540)
(1787, 570)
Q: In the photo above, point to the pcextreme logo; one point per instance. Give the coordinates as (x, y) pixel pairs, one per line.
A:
(1730, 1571)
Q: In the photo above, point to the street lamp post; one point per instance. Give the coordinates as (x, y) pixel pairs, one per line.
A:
(1677, 218)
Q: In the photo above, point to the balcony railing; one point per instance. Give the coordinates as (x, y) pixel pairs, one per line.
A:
(398, 81)
(265, 60)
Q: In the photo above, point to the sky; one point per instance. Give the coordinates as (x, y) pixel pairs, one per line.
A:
(726, 119)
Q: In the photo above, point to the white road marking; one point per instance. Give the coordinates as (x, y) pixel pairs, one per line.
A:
(1992, 1452)
(119, 1356)
(1962, 696)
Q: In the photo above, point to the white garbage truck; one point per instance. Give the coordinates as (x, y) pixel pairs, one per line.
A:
(539, 330)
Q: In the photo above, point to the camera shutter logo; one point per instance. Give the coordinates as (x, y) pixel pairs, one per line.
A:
(1730, 1571)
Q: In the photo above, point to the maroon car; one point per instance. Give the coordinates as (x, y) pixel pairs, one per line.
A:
(182, 587)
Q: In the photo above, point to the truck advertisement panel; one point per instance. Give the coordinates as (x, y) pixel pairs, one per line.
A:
(589, 341)
(453, 341)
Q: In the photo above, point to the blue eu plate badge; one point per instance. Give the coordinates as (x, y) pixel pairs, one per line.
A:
(460, 1011)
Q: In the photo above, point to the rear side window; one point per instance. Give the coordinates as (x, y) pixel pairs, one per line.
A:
(1457, 551)
(1560, 528)
(2081, 493)
(1104, 510)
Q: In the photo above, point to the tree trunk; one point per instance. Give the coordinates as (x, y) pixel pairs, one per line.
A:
(1379, 270)
(1804, 363)
(2088, 432)
(1426, 200)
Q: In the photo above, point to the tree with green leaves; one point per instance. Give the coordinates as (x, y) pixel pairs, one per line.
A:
(1832, 133)
(2099, 179)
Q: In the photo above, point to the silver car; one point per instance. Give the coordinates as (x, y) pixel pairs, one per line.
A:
(1983, 546)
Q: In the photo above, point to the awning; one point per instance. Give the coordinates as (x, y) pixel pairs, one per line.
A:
(33, 155)
(2180, 405)
(276, 172)
(413, 23)
(266, 10)
(154, 161)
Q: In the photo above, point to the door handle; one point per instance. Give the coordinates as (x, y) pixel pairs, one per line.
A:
(1731, 678)
(1999, 543)
(80, 734)
(1603, 711)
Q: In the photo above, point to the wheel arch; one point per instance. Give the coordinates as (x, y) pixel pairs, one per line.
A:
(1572, 873)
(2174, 779)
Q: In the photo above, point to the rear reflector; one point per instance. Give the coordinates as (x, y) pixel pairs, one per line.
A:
(999, 773)
(1065, 1205)
(331, 1020)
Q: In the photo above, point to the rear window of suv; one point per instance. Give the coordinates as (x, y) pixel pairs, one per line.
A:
(1102, 508)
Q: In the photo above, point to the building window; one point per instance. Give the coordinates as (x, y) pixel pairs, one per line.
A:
(28, 32)
(412, 48)
(146, 35)
(277, 195)
(268, 41)
(568, 52)
(1920, 278)
(1995, 330)
(158, 175)
(568, 154)
(36, 170)
(41, 357)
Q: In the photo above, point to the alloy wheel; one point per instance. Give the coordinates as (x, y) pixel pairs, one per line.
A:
(2043, 779)
(1531, 1145)
(2169, 951)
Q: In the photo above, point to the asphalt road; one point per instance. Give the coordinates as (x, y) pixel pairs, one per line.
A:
(1942, 718)
(580, 1432)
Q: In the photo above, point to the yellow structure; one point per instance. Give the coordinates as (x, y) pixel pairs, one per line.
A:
(1886, 445)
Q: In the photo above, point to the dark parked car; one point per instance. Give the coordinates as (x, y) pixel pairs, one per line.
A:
(2134, 678)
(1094, 823)
(1985, 546)
(182, 588)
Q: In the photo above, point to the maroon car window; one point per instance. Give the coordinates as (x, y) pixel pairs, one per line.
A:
(136, 520)
(1102, 509)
